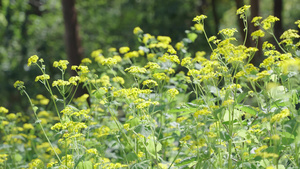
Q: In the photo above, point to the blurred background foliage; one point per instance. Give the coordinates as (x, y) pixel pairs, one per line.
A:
(29, 27)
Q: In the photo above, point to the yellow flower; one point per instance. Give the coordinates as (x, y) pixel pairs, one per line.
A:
(179, 45)
(173, 92)
(199, 27)
(28, 126)
(150, 83)
(62, 64)
(136, 69)
(60, 83)
(118, 80)
(91, 151)
(3, 158)
(164, 39)
(32, 59)
(3, 110)
(161, 76)
(42, 77)
(228, 102)
(36, 163)
(199, 18)
(137, 30)
(96, 53)
(228, 32)
(86, 60)
(256, 34)
(11, 116)
(133, 54)
(123, 50)
(186, 138)
(140, 154)
(290, 34)
(277, 117)
(204, 111)
(73, 80)
(152, 66)
(269, 22)
(186, 62)
(242, 9)
(298, 23)
(275, 137)
(256, 20)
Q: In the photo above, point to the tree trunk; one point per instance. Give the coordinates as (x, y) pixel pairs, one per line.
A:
(216, 17)
(72, 40)
(258, 57)
(278, 13)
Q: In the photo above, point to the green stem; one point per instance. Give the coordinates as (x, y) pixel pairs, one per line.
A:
(34, 111)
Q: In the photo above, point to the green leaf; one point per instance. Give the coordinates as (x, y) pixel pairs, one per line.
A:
(18, 157)
(236, 114)
(246, 108)
(85, 165)
(241, 97)
(184, 110)
(134, 122)
(132, 156)
(224, 135)
(143, 130)
(242, 133)
(192, 36)
(141, 165)
(186, 161)
(152, 149)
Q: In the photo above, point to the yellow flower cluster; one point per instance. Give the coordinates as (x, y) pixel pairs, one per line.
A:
(136, 69)
(42, 77)
(258, 152)
(123, 50)
(278, 117)
(137, 30)
(161, 76)
(131, 93)
(150, 83)
(243, 9)
(3, 158)
(62, 64)
(133, 54)
(32, 59)
(60, 83)
(152, 66)
(172, 92)
(70, 126)
(199, 18)
(146, 104)
(172, 58)
(118, 79)
(203, 112)
(3, 110)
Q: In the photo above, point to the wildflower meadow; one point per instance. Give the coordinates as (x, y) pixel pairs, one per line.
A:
(161, 106)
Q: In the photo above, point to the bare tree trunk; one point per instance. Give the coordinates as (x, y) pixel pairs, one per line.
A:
(278, 13)
(72, 40)
(258, 57)
(216, 17)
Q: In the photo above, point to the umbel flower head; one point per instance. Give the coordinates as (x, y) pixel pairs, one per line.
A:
(199, 18)
(32, 59)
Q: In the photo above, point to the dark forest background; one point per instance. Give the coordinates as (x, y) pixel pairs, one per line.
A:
(70, 29)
